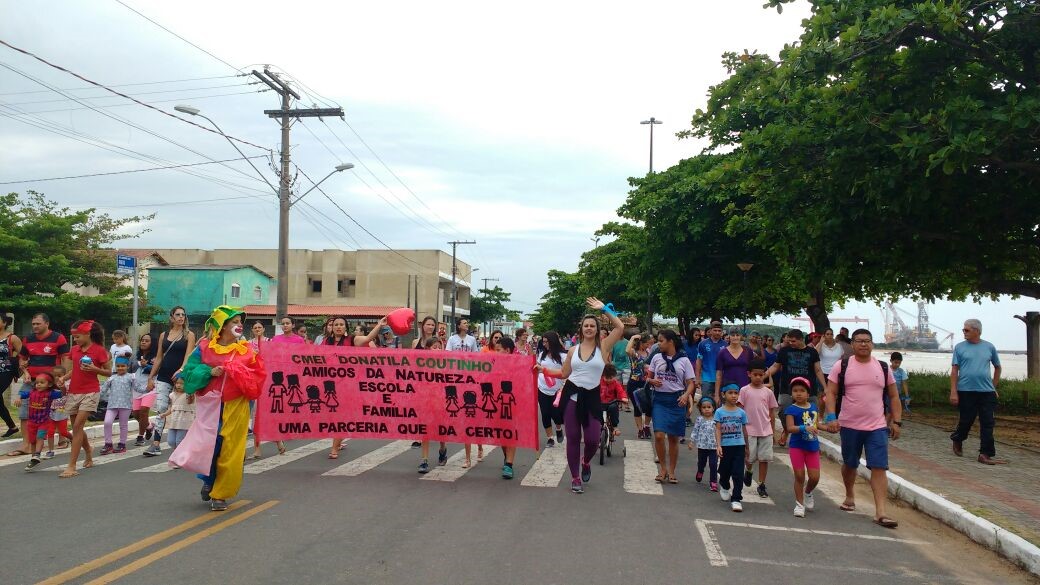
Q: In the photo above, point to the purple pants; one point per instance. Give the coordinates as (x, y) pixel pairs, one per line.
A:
(574, 428)
(110, 417)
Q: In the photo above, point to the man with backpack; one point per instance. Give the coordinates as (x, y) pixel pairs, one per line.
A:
(856, 390)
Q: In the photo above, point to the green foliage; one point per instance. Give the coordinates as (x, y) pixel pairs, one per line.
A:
(562, 307)
(489, 305)
(44, 248)
(1015, 396)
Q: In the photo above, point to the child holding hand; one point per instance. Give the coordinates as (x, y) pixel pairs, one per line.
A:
(59, 418)
(703, 436)
(179, 415)
(120, 389)
(38, 425)
(801, 419)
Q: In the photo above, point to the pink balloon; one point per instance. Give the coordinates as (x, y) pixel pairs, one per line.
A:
(401, 320)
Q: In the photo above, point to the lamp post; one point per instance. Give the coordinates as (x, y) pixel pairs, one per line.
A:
(284, 204)
(744, 267)
(651, 122)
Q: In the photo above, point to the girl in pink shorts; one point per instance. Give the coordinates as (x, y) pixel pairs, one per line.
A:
(800, 420)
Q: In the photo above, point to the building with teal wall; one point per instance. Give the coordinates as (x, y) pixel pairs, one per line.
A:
(200, 288)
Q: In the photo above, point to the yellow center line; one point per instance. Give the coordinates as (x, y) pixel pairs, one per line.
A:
(165, 552)
(130, 549)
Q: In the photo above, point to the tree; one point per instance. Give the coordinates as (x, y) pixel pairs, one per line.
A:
(44, 247)
(489, 305)
(562, 307)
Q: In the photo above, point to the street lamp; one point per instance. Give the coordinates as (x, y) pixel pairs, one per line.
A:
(744, 267)
(284, 204)
(652, 122)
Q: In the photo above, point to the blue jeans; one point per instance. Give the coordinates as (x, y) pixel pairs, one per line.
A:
(162, 402)
(175, 436)
(982, 405)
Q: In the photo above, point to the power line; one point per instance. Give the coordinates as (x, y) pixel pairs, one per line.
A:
(125, 172)
(127, 84)
(108, 97)
(77, 75)
(131, 9)
(174, 203)
(193, 98)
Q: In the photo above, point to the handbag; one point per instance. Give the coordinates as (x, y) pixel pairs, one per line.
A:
(644, 398)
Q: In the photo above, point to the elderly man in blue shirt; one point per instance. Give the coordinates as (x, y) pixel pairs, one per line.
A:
(973, 390)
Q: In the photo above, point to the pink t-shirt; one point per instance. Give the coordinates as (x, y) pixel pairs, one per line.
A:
(756, 403)
(288, 338)
(863, 406)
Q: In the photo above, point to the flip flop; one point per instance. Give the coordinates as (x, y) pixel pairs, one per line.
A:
(660, 478)
(672, 479)
(88, 464)
(466, 464)
(845, 507)
(67, 474)
(15, 453)
(886, 522)
(333, 455)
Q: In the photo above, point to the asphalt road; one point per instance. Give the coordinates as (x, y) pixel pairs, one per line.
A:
(376, 521)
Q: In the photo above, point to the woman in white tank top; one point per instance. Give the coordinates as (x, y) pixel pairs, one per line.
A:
(583, 369)
(830, 351)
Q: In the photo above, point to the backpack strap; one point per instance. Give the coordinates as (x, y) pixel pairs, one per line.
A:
(841, 384)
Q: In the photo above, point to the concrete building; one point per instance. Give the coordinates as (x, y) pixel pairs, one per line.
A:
(199, 288)
(353, 283)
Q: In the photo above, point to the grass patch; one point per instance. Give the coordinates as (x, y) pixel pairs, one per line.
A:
(1015, 397)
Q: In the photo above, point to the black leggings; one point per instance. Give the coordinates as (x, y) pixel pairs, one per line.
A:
(550, 414)
(711, 457)
(5, 382)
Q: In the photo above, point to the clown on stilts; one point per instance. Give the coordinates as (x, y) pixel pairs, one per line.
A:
(224, 374)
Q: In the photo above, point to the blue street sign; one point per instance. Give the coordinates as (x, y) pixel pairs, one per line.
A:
(125, 264)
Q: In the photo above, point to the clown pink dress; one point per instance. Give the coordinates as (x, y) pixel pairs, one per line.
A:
(215, 445)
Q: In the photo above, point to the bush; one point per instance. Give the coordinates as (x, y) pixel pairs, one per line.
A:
(1015, 396)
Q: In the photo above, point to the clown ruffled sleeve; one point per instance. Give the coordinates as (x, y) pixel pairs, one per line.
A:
(247, 374)
(196, 375)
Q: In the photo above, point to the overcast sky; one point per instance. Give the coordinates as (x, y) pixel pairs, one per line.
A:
(516, 125)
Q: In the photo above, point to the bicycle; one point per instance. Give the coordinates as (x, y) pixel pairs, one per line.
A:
(606, 435)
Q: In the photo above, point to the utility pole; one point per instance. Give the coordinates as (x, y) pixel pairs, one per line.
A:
(454, 271)
(652, 122)
(285, 116)
(487, 330)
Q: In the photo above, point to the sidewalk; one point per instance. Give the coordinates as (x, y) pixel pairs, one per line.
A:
(1002, 494)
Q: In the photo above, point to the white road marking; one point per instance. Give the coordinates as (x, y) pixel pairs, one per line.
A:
(99, 459)
(274, 461)
(453, 469)
(640, 469)
(833, 488)
(548, 470)
(814, 567)
(810, 531)
(157, 468)
(711, 544)
(370, 460)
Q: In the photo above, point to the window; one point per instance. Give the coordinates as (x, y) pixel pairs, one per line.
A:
(316, 286)
(258, 293)
(346, 287)
(236, 291)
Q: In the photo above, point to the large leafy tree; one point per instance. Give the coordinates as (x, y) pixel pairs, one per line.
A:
(490, 304)
(44, 247)
(562, 307)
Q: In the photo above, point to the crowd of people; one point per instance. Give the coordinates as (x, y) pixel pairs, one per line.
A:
(733, 400)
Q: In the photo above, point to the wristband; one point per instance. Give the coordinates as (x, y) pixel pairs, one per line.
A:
(830, 417)
(609, 309)
(802, 428)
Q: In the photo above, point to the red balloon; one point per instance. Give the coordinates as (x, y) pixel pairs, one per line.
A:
(401, 320)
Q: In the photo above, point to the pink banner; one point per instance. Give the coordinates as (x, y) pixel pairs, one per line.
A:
(316, 391)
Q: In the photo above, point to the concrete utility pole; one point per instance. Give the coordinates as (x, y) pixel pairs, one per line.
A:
(285, 116)
(652, 122)
(454, 270)
(487, 329)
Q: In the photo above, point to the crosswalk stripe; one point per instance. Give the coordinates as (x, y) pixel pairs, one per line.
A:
(289, 456)
(131, 452)
(453, 469)
(157, 468)
(640, 469)
(548, 470)
(370, 460)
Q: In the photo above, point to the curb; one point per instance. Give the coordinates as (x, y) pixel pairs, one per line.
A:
(93, 432)
(1012, 546)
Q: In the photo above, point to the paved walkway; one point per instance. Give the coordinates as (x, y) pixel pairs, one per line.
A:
(1003, 494)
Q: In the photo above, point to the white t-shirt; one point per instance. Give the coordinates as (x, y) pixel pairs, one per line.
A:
(456, 343)
(115, 351)
(830, 356)
(548, 362)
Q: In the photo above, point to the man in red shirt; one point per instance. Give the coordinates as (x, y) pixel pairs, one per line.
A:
(41, 351)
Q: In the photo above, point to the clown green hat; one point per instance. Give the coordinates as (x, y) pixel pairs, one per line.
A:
(221, 315)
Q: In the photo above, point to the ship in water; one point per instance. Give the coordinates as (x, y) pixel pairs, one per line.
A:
(899, 335)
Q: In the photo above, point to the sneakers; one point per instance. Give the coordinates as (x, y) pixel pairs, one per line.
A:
(507, 471)
(153, 451)
(139, 441)
(550, 443)
(724, 494)
(736, 507)
(205, 492)
(442, 457)
(106, 450)
(559, 435)
(700, 476)
(810, 501)
(747, 478)
(48, 455)
(148, 434)
(713, 486)
(218, 505)
(586, 472)
(682, 441)
(799, 511)
(762, 493)
(646, 432)
(576, 486)
(416, 444)
(33, 463)
(424, 466)
(10, 431)
(120, 448)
